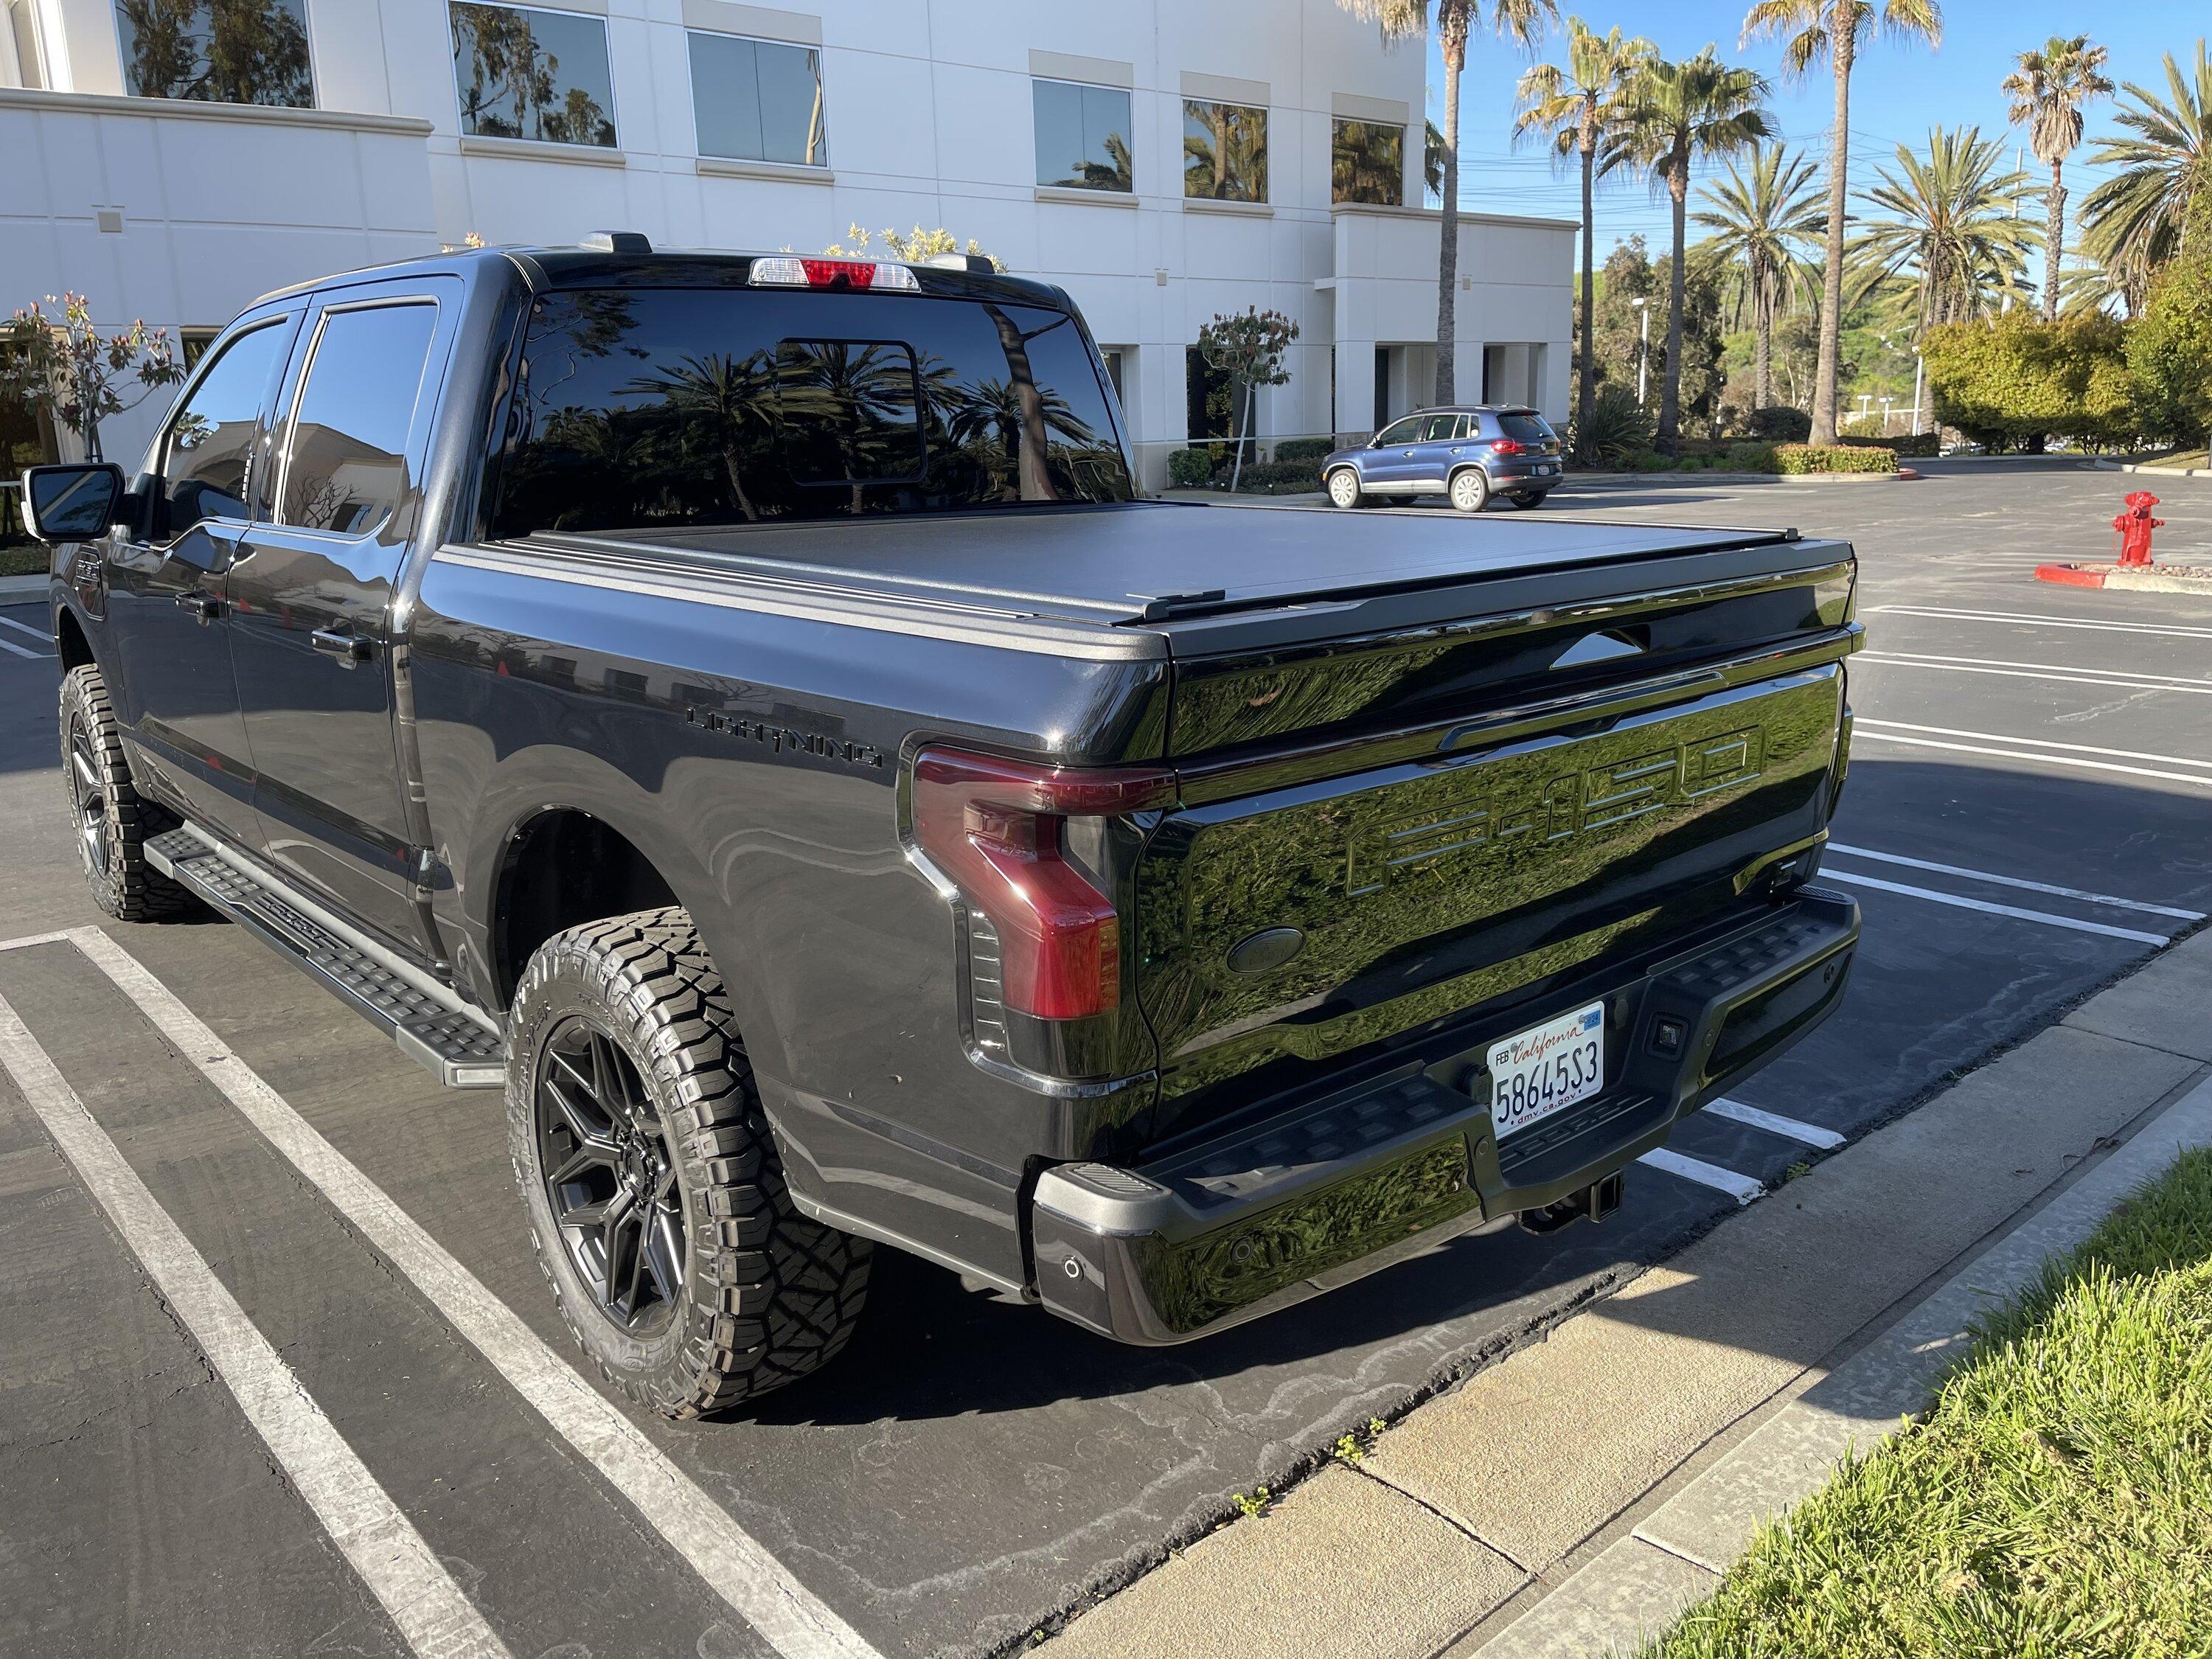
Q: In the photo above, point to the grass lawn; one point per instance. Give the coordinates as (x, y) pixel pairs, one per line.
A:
(23, 560)
(2055, 1501)
(2187, 458)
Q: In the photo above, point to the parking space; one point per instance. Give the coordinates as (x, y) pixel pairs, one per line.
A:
(2026, 818)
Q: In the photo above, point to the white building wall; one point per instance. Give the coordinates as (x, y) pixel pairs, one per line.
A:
(929, 120)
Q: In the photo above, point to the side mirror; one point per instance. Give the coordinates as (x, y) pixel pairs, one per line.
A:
(71, 504)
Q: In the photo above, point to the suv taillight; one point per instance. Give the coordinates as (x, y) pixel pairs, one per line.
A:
(1507, 447)
(998, 830)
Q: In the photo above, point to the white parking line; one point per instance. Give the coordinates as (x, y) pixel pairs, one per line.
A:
(1741, 1188)
(2015, 881)
(38, 634)
(29, 939)
(2018, 617)
(752, 1582)
(1987, 908)
(2023, 671)
(1863, 731)
(379, 1542)
(1812, 1135)
(2040, 742)
(15, 650)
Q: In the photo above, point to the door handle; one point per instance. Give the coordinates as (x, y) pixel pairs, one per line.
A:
(351, 649)
(205, 606)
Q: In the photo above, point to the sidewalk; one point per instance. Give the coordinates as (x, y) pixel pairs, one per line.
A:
(1570, 1500)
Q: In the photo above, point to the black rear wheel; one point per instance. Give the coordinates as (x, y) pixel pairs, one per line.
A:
(112, 820)
(1534, 498)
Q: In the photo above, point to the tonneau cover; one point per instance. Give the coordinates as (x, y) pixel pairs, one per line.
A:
(1139, 563)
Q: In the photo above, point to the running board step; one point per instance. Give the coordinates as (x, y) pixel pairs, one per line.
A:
(455, 1044)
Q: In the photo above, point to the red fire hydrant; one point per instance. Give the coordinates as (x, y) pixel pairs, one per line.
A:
(2134, 526)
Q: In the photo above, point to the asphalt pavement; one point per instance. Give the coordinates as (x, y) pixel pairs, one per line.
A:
(2026, 818)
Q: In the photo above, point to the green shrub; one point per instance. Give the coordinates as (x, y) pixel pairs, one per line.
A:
(1191, 469)
(1303, 449)
(1274, 478)
(1750, 457)
(1801, 458)
(1778, 423)
(1645, 460)
(2017, 380)
(2169, 348)
(1616, 430)
(1920, 447)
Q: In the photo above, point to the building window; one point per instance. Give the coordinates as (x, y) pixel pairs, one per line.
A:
(1083, 136)
(217, 52)
(1224, 151)
(523, 73)
(1209, 405)
(1368, 163)
(758, 100)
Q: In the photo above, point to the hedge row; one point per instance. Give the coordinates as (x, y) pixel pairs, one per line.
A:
(1295, 467)
(1792, 458)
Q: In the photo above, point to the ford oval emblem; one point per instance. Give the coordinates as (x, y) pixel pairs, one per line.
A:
(1269, 948)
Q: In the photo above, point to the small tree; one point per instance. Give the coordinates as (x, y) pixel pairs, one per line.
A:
(2170, 345)
(911, 246)
(68, 368)
(1248, 346)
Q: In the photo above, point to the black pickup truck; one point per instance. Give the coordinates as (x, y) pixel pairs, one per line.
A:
(740, 705)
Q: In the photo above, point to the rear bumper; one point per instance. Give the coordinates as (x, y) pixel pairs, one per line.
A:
(1346, 1185)
(1520, 477)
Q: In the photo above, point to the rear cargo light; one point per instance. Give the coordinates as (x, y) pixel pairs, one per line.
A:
(997, 830)
(877, 276)
(1507, 447)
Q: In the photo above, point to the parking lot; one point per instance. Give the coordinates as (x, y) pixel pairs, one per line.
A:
(2026, 818)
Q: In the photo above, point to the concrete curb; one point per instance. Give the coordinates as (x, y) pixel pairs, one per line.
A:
(2142, 579)
(2155, 471)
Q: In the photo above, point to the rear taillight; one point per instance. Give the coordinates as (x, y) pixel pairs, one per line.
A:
(998, 830)
(876, 276)
(1507, 447)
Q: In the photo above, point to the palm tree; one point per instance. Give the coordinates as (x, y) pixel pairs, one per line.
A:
(1836, 30)
(726, 404)
(1681, 114)
(1522, 22)
(2132, 223)
(1767, 220)
(2047, 92)
(1948, 228)
(1577, 109)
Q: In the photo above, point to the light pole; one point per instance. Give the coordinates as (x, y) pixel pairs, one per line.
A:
(1643, 349)
(1920, 372)
(1886, 402)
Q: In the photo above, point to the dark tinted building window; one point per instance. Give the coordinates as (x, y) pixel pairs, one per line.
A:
(649, 408)
(210, 439)
(1224, 151)
(758, 100)
(347, 466)
(1083, 135)
(219, 52)
(523, 73)
(1368, 163)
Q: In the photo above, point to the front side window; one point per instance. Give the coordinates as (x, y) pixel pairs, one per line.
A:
(1083, 136)
(525, 73)
(1224, 151)
(345, 465)
(656, 408)
(1368, 163)
(758, 100)
(210, 439)
(1407, 431)
(217, 52)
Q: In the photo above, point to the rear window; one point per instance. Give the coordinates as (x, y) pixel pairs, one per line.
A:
(645, 408)
(1528, 428)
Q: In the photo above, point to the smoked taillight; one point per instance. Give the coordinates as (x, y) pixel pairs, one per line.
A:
(1507, 447)
(998, 829)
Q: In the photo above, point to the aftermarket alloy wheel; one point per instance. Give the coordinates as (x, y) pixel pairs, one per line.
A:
(112, 822)
(1470, 489)
(1344, 487)
(657, 1201)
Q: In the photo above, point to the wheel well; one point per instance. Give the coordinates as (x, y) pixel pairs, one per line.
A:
(563, 867)
(69, 639)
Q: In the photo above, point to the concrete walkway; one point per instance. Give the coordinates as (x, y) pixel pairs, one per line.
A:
(1572, 1499)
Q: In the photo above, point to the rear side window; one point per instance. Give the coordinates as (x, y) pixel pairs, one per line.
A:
(346, 465)
(1528, 428)
(210, 441)
(662, 408)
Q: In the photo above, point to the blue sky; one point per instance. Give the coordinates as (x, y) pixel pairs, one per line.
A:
(1898, 92)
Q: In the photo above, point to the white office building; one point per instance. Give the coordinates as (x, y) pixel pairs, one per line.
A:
(1164, 162)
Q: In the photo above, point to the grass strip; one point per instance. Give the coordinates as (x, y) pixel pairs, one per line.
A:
(2054, 1500)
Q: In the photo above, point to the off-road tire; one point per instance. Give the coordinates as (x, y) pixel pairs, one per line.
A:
(1469, 490)
(768, 1295)
(112, 838)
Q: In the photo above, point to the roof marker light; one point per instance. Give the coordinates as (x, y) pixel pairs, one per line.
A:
(787, 270)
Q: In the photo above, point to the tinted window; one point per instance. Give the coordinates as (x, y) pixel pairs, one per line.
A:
(210, 439)
(645, 408)
(1082, 135)
(1438, 428)
(348, 463)
(222, 52)
(527, 74)
(1224, 151)
(1528, 428)
(1368, 163)
(758, 100)
(1407, 431)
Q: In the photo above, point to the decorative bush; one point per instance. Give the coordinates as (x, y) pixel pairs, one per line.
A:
(1616, 430)
(1925, 447)
(1191, 469)
(1750, 457)
(1778, 423)
(1303, 449)
(2018, 379)
(1276, 478)
(1800, 459)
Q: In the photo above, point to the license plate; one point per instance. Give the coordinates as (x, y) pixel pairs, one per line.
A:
(1544, 471)
(1547, 1068)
